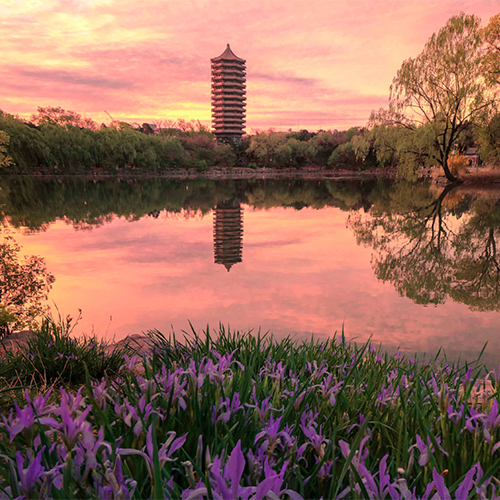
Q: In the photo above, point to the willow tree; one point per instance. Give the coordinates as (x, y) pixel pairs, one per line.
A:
(441, 92)
(5, 159)
(491, 34)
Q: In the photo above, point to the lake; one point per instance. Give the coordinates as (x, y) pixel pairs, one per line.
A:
(413, 267)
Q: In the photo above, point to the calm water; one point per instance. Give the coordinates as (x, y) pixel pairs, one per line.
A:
(411, 266)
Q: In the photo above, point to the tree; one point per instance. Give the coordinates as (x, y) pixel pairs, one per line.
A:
(5, 159)
(24, 285)
(440, 92)
(59, 116)
(491, 36)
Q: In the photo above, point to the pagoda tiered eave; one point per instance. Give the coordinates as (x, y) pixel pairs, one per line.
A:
(228, 95)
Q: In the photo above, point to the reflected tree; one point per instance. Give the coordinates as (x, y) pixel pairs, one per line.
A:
(430, 248)
(477, 265)
(24, 286)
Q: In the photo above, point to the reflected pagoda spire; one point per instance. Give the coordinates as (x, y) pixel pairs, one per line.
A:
(228, 233)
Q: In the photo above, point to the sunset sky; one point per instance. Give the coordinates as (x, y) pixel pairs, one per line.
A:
(311, 64)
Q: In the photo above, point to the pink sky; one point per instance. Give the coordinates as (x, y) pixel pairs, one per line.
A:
(311, 64)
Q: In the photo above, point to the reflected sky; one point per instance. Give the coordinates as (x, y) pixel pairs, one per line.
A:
(302, 273)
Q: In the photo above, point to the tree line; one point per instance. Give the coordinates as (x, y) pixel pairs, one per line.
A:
(56, 140)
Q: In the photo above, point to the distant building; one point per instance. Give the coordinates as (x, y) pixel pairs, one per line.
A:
(472, 155)
(228, 233)
(228, 97)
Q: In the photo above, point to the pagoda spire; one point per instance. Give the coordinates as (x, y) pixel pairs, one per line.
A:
(228, 96)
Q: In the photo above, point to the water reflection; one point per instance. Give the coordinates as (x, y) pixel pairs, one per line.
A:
(228, 233)
(146, 257)
(435, 244)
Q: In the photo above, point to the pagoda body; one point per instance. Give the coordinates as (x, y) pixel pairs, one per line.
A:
(228, 97)
(228, 233)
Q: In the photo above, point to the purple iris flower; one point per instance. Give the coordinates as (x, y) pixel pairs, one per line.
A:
(426, 449)
(230, 407)
(263, 408)
(29, 477)
(360, 455)
(168, 448)
(23, 419)
(226, 481)
(385, 485)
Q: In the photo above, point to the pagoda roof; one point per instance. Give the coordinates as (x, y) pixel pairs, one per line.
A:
(228, 55)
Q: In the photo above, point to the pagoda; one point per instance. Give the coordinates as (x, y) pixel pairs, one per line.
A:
(228, 97)
(228, 233)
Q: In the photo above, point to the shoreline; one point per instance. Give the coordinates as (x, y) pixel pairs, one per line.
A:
(487, 177)
(223, 173)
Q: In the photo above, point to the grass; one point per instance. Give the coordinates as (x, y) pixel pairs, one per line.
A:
(54, 357)
(244, 416)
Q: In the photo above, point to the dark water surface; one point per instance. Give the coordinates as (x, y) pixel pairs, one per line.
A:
(412, 266)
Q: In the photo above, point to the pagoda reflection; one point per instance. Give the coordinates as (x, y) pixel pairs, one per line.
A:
(228, 233)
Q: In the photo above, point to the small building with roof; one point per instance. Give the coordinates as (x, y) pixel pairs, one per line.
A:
(472, 156)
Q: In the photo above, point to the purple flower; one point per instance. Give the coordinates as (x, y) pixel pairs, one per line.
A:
(271, 435)
(271, 486)
(21, 420)
(315, 439)
(168, 448)
(172, 386)
(426, 449)
(491, 421)
(31, 475)
(440, 486)
(231, 407)
(462, 492)
(226, 483)
(385, 485)
(360, 455)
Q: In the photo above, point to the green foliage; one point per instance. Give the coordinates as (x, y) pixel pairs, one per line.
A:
(301, 149)
(34, 203)
(24, 284)
(60, 141)
(489, 138)
(52, 356)
(7, 317)
(325, 143)
(27, 147)
(5, 160)
(269, 149)
(323, 413)
(491, 35)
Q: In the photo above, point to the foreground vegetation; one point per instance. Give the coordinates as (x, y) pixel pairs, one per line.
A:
(243, 416)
